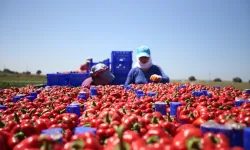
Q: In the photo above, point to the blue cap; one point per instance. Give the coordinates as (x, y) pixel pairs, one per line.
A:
(80, 130)
(247, 91)
(93, 91)
(143, 51)
(139, 92)
(140, 95)
(16, 98)
(151, 94)
(182, 86)
(74, 109)
(21, 95)
(55, 133)
(82, 95)
(239, 103)
(161, 107)
(2, 107)
(51, 130)
(33, 94)
(31, 98)
(127, 87)
(173, 108)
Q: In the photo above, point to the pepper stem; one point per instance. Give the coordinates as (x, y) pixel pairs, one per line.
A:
(93, 103)
(155, 119)
(228, 117)
(44, 112)
(214, 139)
(63, 111)
(2, 124)
(16, 118)
(107, 119)
(191, 115)
(136, 127)
(31, 112)
(87, 124)
(120, 131)
(169, 119)
(79, 144)
(86, 114)
(193, 143)
(153, 139)
(20, 135)
(23, 111)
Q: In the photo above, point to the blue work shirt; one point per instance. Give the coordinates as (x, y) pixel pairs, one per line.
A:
(138, 76)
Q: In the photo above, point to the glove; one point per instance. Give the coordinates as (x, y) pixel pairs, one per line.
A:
(156, 78)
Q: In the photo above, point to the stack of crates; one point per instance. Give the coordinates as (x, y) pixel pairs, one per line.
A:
(121, 63)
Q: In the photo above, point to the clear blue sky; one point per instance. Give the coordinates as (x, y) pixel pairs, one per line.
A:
(191, 37)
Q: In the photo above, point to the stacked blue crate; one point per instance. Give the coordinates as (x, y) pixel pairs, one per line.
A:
(76, 79)
(106, 62)
(121, 63)
(57, 79)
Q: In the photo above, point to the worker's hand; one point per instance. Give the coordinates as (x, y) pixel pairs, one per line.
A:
(156, 78)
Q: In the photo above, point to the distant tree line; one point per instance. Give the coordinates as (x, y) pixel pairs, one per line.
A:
(235, 79)
(38, 72)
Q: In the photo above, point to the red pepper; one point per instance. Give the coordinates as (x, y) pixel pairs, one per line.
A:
(68, 118)
(95, 122)
(4, 140)
(41, 124)
(215, 141)
(124, 140)
(187, 115)
(152, 118)
(187, 139)
(35, 142)
(199, 121)
(109, 115)
(157, 135)
(83, 141)
(14, 139)
(131, 122)
(170, 127)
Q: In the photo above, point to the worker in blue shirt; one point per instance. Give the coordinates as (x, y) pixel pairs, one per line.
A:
(144, 70)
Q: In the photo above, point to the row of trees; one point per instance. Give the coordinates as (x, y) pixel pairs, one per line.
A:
(38, 72)
(235, 79)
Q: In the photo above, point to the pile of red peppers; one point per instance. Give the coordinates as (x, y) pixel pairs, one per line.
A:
(121, 119)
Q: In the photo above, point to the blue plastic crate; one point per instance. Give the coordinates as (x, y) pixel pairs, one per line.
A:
(121, 61)
(105, 62)
(117, 56)
(76, 79)
(57, 79)
(120, 78)
(122, 67)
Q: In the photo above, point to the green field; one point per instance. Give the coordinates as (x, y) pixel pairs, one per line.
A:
(21, 80)
(240, 86)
